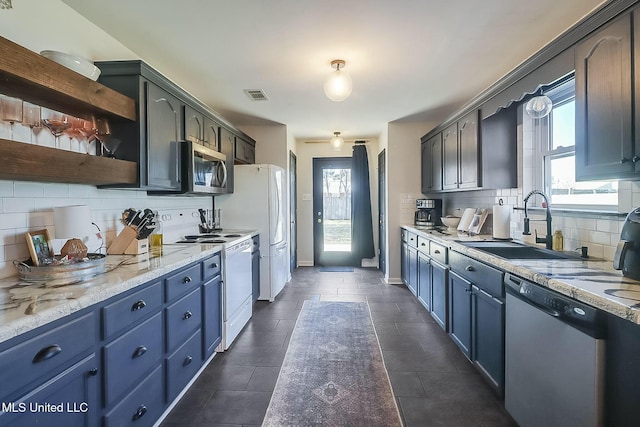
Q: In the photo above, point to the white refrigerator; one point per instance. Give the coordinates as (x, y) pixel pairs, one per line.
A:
(258, 202)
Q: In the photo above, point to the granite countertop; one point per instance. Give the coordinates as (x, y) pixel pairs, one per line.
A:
(27, 305)
(592, 281)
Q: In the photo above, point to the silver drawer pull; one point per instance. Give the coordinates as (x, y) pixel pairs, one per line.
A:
(47, 353)
(214, 265)
(187, 315)
(437, 251)
(470, 268)
(139, 352)
(187, 279)
(138, 305)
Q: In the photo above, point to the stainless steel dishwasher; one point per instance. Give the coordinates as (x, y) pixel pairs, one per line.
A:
(554, 358)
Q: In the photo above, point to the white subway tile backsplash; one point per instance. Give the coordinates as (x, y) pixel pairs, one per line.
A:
(56, 190)
(28, 189)
(6, 188)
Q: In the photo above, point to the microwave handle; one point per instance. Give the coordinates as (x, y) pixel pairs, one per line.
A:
(224, 170)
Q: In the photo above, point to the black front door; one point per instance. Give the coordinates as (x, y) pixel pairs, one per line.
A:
(332, 211)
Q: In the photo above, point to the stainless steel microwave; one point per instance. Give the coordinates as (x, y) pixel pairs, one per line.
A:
(203, 170)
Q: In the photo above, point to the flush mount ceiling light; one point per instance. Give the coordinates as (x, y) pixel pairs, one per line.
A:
(338, 86)
(336, 142)
(539, 106)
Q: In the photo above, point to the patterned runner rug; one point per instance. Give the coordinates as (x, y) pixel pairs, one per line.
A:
(333, 373)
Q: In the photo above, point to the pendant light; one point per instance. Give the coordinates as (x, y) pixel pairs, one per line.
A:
(338, 86)
(336, 142)
(539, 107)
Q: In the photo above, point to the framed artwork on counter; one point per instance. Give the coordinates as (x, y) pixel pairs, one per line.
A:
(39, 244)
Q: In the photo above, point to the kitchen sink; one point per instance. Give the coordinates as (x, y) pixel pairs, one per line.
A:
(514, 250)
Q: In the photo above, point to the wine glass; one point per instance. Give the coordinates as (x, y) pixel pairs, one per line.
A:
(30, 117)
(73, 132)
(88, 131)
(11, 111)
(57, 123)
(108, 143)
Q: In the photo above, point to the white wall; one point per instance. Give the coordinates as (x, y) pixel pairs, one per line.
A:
(28, 206)
(403, 185)
(305, 153)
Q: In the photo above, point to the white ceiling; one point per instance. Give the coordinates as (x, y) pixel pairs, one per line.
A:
(409, 60)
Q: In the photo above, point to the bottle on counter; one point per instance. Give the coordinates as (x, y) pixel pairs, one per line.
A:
(558, 241)
(156, 235)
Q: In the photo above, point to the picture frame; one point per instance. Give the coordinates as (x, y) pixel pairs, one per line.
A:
(39, 244)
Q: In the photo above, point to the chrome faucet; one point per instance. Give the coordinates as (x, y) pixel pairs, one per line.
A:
(548, 239)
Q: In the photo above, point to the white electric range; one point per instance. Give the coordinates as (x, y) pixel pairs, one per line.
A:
(236, 279)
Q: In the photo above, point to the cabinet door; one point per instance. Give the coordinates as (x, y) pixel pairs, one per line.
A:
(413, 270)
(450, 157)
(604, 104)
(404, 263)
(193, 125)
(212, 315)
(74, 391)
(436, 162)
(488, 337)
(425, 167)
(210, 133)
(424, 280)
(227, 147)
(439, 306)
(164, 119)
(460, 312)
(468, 174)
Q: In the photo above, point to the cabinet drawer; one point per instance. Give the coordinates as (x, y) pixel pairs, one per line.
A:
(423, 245)
(183, 281)
(130, 357)
(256, 243)
(142, 407)
(183, 317)
(130, 310)
(412, 240)
(183, 365)
(480, 274)
(75, 389)
(46, 355)
(438, 252)
(404, 235)
(211, 267)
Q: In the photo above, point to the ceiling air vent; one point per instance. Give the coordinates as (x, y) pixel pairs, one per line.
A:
(256, 94)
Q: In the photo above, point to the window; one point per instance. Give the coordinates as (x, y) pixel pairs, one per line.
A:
(557, 139)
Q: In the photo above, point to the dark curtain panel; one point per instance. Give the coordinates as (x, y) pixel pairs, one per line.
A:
(361, 228)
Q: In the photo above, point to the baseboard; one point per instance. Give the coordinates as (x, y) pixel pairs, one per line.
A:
(305, 263)
(369, 262)
(392, 281)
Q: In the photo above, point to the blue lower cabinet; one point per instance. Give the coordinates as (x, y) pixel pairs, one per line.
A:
(460, 312)
(182, 318)
(183, 364)
(68, 399)
(142, 407)
(439, 294)
(211, 316)
(129, 358)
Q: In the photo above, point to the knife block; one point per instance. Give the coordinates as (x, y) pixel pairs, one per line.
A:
(137, 247)
(122, 241)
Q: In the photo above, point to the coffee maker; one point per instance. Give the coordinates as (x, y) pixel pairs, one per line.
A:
(627, 256)
(428, 213)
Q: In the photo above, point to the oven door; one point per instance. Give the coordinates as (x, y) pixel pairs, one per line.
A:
(205, 168)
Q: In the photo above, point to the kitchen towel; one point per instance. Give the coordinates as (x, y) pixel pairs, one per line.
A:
(502, 222)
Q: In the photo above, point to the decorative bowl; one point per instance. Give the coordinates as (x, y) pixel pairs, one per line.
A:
(450, 221)
(76, 63)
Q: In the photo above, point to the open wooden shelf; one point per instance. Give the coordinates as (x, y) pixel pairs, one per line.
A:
(28, 162)
(32, 77)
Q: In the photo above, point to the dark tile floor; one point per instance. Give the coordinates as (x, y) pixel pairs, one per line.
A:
(434, 384)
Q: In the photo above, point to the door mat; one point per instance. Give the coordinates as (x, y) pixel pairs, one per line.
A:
(335, 269)
(333, 373)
